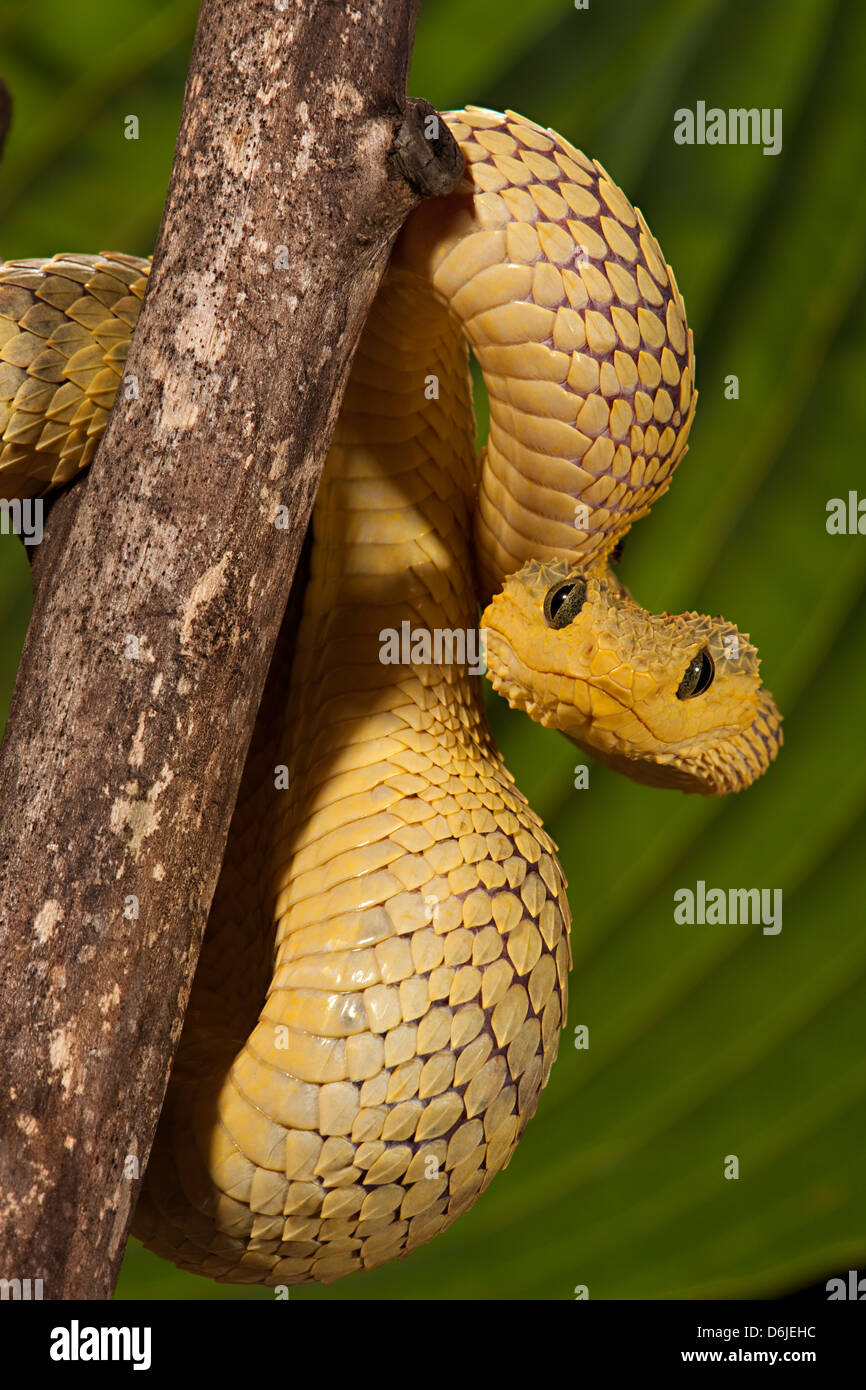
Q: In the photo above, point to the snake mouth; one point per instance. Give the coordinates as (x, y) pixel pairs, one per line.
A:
(727, 758)
(518, 690)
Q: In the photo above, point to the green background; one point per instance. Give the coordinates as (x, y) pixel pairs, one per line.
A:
(704, 1041)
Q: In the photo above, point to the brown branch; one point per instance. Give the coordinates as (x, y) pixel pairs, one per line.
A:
(156, 613)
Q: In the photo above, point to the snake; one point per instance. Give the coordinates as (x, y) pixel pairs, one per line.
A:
(384, 976)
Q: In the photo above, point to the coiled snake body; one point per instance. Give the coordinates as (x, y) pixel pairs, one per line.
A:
(383, 981)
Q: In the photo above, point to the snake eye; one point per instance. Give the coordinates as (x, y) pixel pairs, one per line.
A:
(698, 677)
(563, 602)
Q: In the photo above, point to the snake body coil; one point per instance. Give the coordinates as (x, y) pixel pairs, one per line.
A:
(379, 998)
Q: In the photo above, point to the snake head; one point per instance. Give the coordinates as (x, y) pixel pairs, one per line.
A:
(672, 701)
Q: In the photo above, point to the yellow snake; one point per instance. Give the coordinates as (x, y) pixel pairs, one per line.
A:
(380, 993)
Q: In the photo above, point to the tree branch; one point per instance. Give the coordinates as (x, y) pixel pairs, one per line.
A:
(156, 613)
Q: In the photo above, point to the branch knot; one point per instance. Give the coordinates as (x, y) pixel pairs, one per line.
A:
(425, 151)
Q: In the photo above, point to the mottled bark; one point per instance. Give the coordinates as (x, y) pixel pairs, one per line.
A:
(157, 611)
